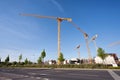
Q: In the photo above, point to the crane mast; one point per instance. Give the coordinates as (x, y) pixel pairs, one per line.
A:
(93, 40)
(114, 44)
(59, 49)
(78, 47)
(59, 20)
(86, 40)
(88, 49)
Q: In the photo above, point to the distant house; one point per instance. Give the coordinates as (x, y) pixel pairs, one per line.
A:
(110, 59)
(73, 61)
(50, 62)
(119, 59)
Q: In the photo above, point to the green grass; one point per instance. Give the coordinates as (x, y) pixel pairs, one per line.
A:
(88, 66)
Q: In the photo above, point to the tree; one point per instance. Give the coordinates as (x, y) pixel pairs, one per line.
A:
(39, 60)
(14, 63)
(26, 61)
(7, 59)
(20, 58)
(101, 54)
(61, 58)
(0, 59)
(43, 55)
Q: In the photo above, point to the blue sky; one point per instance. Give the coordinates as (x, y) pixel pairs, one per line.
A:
(29, 35)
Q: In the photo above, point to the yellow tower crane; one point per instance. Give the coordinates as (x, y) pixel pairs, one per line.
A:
(93, 40)
(59, 20)
(86, 40)
(114, 44)
(77, 48)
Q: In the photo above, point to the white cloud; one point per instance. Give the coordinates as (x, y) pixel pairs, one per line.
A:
(57, 5)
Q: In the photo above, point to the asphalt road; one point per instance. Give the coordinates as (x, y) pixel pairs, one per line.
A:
(56, 74)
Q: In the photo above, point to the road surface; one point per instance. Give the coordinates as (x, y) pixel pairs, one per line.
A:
(57, 74)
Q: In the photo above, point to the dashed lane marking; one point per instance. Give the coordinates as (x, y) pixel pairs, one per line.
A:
(38, 77)
(45, 79)
(43, 74)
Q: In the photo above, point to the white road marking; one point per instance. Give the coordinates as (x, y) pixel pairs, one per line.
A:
(114, 75)
(8, 79)
(43, 74)
(32, 73)
(45, 79)
(4, 78)
(32, 77)
(26, 76)
(38, 77)
(83, 74)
